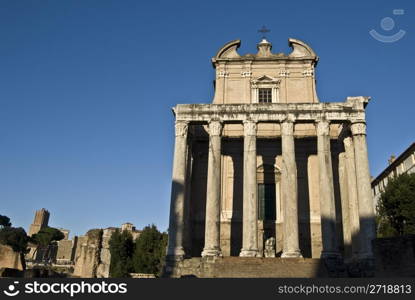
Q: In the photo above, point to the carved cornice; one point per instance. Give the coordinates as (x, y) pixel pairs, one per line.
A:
(271, 112)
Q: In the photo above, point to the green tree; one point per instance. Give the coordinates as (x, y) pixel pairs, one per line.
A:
(5, 221)
(15, 238)
(121, 248)
(150, 250)
(45, 238)
(396, 206)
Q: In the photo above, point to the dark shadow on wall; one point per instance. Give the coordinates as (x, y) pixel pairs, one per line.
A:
(188, 228)
(304, 148)
(335, 150)
(268, 174)
(235, 151)
(197, 201)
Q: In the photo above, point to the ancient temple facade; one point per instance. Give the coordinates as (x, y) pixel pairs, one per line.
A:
(267, 169)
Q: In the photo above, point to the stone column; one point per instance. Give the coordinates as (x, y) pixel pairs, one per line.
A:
(364, 192)
(212, 230)
(290, 194)
(352, 194)
(326, 188)
(344, 195)
(250, 193)
(175, 248)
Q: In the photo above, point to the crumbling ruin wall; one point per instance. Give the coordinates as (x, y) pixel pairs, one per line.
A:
(10, 259)
(103, 270)
(87, 257)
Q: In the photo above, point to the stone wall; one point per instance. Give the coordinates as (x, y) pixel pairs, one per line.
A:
(395, 256)
(87, 256)
(103, 270)
(10, 259)
(65, 251)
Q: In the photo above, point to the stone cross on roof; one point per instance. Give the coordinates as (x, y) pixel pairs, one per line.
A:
(264, 30)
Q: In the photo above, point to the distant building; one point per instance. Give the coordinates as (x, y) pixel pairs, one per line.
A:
(85, 256)
(65, 252)
(92, 253)
(404, 163)
(41, 221)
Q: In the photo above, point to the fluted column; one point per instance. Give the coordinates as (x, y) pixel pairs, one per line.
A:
(250, 193)
(175, 248)
(352, 194)
(364, 192)
(344, 196)
(326, 188)
(290, 194)
(212, 228)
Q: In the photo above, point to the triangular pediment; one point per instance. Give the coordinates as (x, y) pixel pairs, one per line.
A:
(265, 78)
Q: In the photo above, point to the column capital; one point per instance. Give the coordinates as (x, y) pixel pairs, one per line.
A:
(250, 128)
(181, 128)
(323, 127)
(287, 128)
(358, 128)
(215, 128)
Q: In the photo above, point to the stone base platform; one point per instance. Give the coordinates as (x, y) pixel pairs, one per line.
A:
(254, 267)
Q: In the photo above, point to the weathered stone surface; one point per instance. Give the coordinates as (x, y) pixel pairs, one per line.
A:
(352, 109)
(327, 201)
(10, 259)
(250, 193)
(290, 192)
(103, 270)
(88, 257)
(212, 232)
(248, 267)
(175, 247)
(40, 221)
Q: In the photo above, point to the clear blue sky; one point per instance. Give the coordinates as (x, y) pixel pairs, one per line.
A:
(86, 88)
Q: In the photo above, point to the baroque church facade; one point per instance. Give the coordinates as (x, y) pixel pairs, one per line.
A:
(266, 169)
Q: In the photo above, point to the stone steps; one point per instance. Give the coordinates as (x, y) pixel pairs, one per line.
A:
(247, 267)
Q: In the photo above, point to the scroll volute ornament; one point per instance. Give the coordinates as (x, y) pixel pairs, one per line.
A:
(181, 128)
(358, 128)
(323, 128)
(215, 128)
(250, 127)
